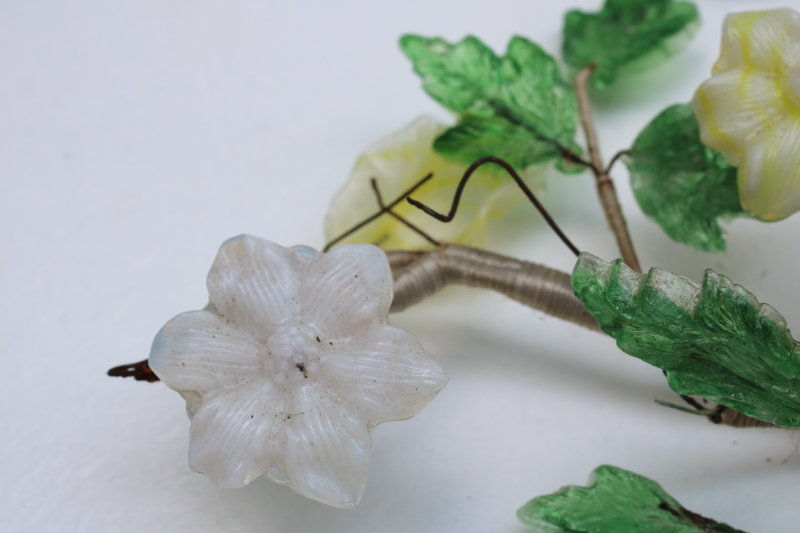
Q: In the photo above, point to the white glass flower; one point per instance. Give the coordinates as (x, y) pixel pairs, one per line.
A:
(401, 160)
(290, 365)
(750, 109)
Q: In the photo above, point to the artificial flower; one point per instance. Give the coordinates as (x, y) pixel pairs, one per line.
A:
(397, 163)
(750, 109)
(291, 364)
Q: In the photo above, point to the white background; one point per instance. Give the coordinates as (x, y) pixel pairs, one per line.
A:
(136, 136)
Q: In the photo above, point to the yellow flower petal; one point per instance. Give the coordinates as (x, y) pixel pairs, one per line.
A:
(750, 109)
(756, 40)
(397, 163)
(769, 180)
(733, 107)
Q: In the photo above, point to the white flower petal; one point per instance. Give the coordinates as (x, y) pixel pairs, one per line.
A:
(769, 178)
(387, 374)
(237, 435)
(346, 290)
(199, 351)
(327, 451)
(252, 283)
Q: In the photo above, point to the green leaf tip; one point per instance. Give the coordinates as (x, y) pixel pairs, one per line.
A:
(713, 339)
(616, 501)
(517, 107)
(627, 35)
(683, 185)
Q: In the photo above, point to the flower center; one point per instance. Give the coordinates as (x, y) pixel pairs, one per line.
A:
(292, 354)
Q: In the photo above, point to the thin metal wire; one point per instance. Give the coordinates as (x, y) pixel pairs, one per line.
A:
(614, 159)
(513, 173)
(376, 215)
(389, 211)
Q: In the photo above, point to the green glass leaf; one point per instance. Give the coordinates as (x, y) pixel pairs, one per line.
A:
(713, 339)
(475, 137)
(628, 34)
(682, 184)
(517, 105)
(616, 501)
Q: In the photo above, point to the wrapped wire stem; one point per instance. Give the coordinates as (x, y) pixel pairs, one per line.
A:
(536, 286)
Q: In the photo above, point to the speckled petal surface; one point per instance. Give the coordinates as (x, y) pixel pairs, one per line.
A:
(199, 351)
(387, 374)
(327, 450)
(346, 288)
(253, 284)
(237, 434)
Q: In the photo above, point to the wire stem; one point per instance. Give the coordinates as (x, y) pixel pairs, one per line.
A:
(605, 187)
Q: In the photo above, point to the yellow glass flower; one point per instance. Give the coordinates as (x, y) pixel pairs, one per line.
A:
(750, 109)
(397, 163)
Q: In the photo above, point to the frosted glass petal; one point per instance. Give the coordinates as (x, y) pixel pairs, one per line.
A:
(253, 284)
(236, 435)
(386, 374)
(199, 351)
(349, 287)
(327, 451)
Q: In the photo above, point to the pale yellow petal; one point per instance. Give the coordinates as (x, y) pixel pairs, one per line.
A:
(756, 40)
(769, 178)
(397, 163)
(750, 109)
(735, 106)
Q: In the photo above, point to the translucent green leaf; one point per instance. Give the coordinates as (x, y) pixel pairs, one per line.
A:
(713, 339)
(682, 184)
(616, 501)
(475, 137)
(629, 34)
(518, 105)
(457, 76)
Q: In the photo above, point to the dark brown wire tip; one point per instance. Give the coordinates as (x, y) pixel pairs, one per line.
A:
(140, 371)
